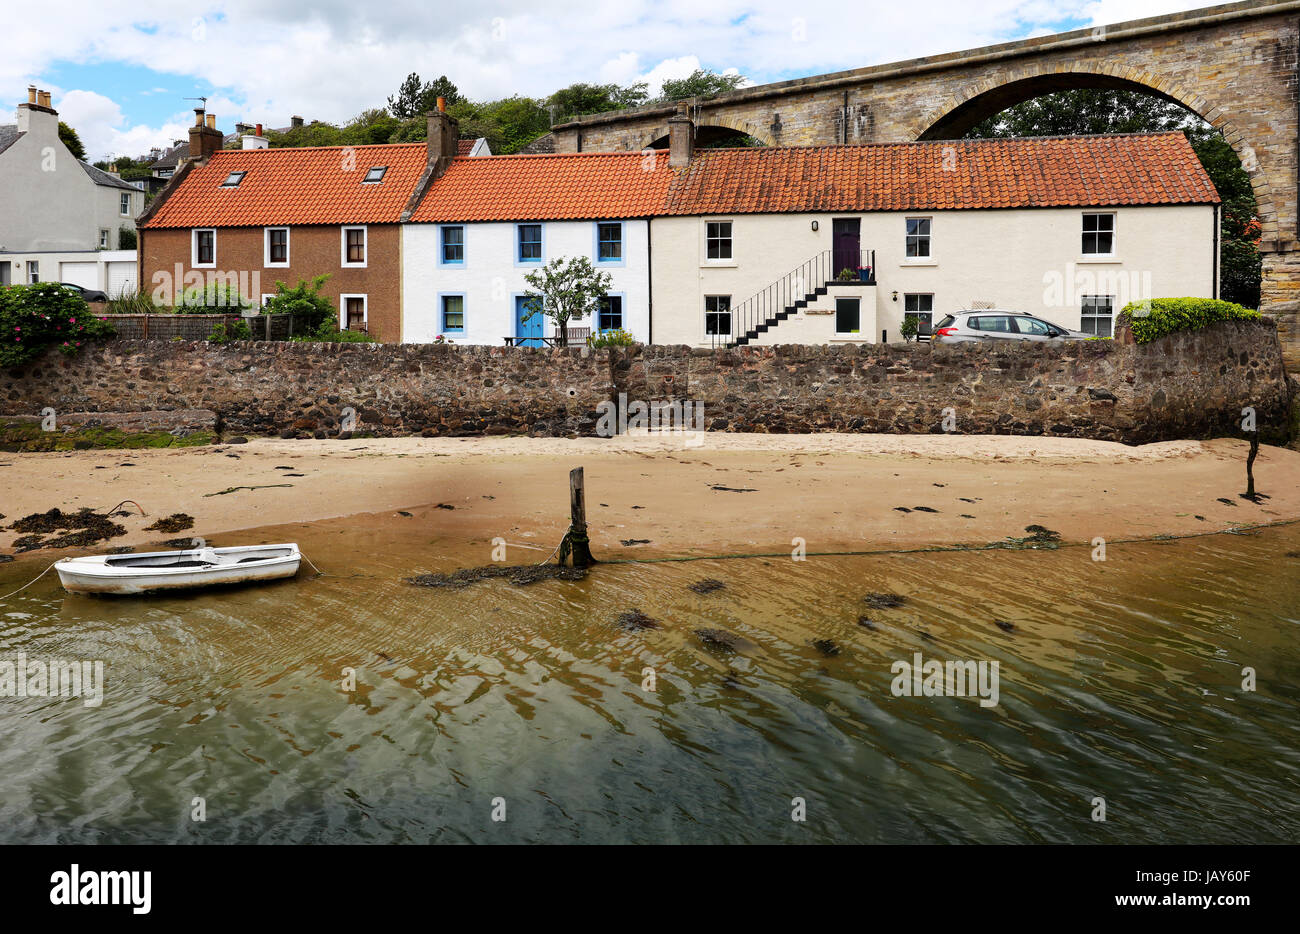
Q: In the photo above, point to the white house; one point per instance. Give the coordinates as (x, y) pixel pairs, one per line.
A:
(488, 221)
(56, 213)
(815, 244)
(754, 245)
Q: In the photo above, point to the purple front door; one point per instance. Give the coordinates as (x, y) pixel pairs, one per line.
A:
(846, 241)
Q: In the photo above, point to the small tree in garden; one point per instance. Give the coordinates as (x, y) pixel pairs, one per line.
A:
(34, 317)
(305, 302)
(910, 327)
(565, 289)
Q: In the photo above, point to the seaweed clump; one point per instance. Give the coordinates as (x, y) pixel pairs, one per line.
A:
(635, 621)
(520, 575)
(1038, 537)
(883, 601)
(77, 529)
(176, 522)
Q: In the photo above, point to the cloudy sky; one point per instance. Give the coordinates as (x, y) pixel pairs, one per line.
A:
(120, 72)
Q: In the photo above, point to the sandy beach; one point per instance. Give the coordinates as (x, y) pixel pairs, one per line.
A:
(735, 493)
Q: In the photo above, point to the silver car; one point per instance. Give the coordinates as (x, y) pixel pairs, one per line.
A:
(993, 324)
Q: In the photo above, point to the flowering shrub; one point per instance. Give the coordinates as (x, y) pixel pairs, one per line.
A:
(611, 337)
(34, 317)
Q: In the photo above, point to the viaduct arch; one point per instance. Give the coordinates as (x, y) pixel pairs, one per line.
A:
(1236, 65)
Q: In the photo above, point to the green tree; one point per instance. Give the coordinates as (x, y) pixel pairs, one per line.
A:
(305, 302)
(509, 124)
(442, 87)
(565, 290)
(369, 127)
(315, 133)
(70, 139)
(699, 83)
(1088, 111)
(126, 238)
(416, 98)
(578, 99)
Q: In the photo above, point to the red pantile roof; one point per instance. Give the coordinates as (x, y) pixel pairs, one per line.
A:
(465, 146)
(313, 185)
(560, 186)
(321, 185)
(1155, 168)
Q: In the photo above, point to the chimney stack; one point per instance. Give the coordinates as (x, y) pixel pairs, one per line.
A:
(444, 135)
(295, 121)
(37, 117)
(205, 138)
(681, 137)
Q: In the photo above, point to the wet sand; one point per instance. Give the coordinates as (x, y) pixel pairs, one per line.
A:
(735, 493)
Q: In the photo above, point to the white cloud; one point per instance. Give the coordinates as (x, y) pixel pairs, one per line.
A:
(623, 69)
(668, 70)
(330, 59)
(104, 131)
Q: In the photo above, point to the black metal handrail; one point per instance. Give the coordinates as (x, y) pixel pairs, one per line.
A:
(804, 283)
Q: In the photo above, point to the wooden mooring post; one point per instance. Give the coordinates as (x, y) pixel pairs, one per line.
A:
(1250, 465)
(575, 543)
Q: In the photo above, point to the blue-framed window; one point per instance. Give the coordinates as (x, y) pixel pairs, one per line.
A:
(529, 243)
(609, 242)
(609, 313)
(451, 313)
(451, 246)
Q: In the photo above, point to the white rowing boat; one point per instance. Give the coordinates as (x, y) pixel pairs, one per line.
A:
(177, 570)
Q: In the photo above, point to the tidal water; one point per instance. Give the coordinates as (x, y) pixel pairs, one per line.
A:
(1119, 681)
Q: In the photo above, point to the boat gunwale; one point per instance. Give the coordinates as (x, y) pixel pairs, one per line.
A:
(99, 566)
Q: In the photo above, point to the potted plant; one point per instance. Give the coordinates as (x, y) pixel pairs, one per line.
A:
(864, 274)
(909, 327)
(846, 275)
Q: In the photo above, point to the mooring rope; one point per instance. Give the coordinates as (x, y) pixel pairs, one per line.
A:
(548, 558)
(319, 572)
(29, 583)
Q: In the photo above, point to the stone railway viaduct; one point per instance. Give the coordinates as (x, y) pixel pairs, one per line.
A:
(1235, 65)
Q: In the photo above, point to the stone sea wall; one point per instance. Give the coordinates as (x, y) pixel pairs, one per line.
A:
(1187, 385)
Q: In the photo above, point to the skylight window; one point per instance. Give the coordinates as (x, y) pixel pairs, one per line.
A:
(375, 175)
(233, 179)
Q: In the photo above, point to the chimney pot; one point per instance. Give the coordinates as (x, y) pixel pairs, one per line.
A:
(198, 116)
(31, 94)
(442, 105)
(43, 98)
(259, 129)
(212, 121)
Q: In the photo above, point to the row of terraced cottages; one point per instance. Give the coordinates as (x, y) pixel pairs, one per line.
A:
(761, 245)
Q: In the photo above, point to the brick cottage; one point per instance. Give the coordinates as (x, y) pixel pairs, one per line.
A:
(254, 216)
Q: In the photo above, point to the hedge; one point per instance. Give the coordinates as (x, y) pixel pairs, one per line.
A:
(1159, 316)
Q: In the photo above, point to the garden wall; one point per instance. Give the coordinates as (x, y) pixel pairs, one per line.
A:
(1186, 385)
(172, 327)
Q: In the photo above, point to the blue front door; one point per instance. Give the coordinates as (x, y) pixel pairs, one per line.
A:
(527, 333)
